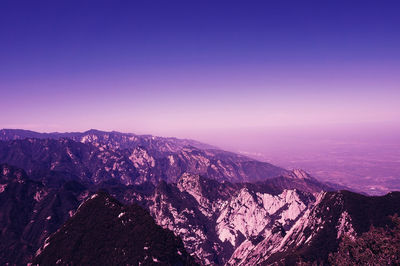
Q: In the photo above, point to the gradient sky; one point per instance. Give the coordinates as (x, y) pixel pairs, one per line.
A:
(199, 69)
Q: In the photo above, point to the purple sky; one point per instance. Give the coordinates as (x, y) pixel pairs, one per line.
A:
(200, 69)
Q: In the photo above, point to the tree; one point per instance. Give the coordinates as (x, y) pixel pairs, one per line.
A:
(378, 246)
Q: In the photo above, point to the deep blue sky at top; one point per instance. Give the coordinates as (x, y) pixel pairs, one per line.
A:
(167, 67)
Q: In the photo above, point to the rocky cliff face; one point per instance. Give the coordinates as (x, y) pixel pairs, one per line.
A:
(332, 217)
(266, 222)
(227, 209)
(217, 220)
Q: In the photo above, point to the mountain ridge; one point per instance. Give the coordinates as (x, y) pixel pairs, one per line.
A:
(130, 158)
(228, 209)
(104, 232)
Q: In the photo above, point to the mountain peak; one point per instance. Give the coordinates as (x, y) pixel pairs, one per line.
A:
(104, 231)
(300, 174)
(94, 131)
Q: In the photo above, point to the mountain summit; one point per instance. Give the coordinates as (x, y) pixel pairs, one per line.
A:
(105, 232)
(167, 201)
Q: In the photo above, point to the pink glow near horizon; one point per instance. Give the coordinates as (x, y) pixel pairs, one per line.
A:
(168, 106)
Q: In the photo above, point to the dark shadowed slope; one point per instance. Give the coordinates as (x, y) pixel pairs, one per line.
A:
(30, 211)
(105, 232)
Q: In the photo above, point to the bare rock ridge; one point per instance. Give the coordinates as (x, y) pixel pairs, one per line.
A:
(226, 209)
(335, 215)
(95, 156)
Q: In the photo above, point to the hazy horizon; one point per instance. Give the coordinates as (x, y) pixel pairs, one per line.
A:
(293, 106)
(266, 79)
(201, 67)
(366, 163)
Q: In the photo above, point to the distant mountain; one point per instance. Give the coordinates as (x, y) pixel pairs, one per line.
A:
(115, 139)
(105, 232)
(226, 208)
(95, 156)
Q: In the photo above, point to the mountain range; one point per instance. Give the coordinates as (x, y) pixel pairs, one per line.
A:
(114, 198)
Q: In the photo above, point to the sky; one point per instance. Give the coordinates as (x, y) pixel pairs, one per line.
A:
(217, 71)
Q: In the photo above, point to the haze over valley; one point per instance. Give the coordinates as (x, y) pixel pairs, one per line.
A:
(201, 132)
